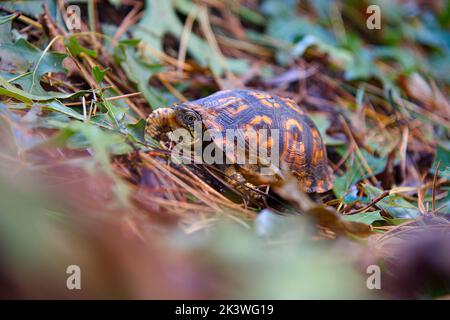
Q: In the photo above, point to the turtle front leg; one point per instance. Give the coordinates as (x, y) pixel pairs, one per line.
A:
(238, 181)
(159, 123)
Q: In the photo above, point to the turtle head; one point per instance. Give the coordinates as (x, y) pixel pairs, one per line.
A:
(186, 117)
(164, 120)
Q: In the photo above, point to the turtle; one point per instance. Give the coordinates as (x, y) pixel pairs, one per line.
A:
(301, 152)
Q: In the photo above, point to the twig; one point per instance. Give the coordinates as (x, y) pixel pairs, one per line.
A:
(171, 88)
(358, 152)
(403, 150)
(434, 185)
(165, 57)
(123, 96)
(185, 37)
(23, 18)
(211, 39)
(129, 20)
(420, 195)
(83, 100)
(373, 202)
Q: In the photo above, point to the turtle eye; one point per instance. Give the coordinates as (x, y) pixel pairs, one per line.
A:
(189, 117)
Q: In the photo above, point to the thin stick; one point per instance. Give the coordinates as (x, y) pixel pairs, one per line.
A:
(166, 58)
(91, 108)
(359, 153)
(373, 202)
(171, 88)
(211, 39)
(123, 96)
(95, 105)
(420, 195)
(434, 185)
(83, 100)
(92, 15)
(129, 20)
(185, 38)
(23, 18)
(403, 150)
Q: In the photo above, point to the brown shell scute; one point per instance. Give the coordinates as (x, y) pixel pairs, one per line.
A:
(302, 150)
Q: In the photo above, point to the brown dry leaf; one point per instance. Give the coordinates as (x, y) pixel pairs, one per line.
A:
(328, 218)
(418, 88)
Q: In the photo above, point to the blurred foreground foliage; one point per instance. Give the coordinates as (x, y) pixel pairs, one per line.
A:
(80, 184)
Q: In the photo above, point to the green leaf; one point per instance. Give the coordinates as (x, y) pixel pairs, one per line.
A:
(20, 59)
(405, 57)
(12, 91)
(137, 130)
(443, 205)
(115, 113)
(98, 74)
(59, 107)
(299, 33)
(361, 66)
(356, 172)
(339, 56)
(140, 73)
(130, 42)
(8, 18)
(365, 217)
(76, 48)
(393, 204)
(251, 15)
(5, 29)
(396, 221)
(442, 156)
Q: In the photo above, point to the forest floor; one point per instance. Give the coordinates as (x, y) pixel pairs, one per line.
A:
(84, 185)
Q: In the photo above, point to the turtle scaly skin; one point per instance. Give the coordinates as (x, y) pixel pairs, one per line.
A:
(159, 123)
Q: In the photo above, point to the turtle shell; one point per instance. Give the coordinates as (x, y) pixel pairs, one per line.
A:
(301, 149)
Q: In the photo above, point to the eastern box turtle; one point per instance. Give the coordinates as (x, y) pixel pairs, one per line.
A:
(301, 149)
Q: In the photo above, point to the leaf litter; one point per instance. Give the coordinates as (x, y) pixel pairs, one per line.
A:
(73, 103)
